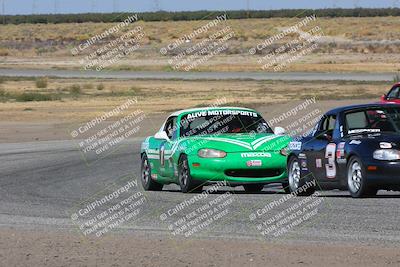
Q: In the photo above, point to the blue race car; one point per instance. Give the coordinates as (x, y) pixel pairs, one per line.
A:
(355, 148)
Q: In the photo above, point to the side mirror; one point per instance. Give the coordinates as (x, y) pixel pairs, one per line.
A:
(279, 131)
(323, 136)
(161, 135)
(326, 136)
(384, 97)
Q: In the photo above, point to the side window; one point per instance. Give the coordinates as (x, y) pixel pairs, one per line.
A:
(328, 124)
(356, 120)
(394, 93)
(323, 125)
(170, 128)
(331, 123)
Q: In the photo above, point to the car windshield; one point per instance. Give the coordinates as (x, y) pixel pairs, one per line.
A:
(222, 122)
(373, 121)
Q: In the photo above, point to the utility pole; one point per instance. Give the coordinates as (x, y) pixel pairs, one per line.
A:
(248, 8)
(3, 10)
(93, 6)
(115, 6)
(55, 6)
(34, 5)
(157, 5)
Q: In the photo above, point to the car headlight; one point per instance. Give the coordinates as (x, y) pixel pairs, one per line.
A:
(284, 151)
(387, 154)
(211, 153)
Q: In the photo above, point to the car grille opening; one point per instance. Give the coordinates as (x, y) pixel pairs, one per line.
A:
(256, 173)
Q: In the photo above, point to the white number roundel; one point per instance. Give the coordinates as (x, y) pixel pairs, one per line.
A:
(330, 154)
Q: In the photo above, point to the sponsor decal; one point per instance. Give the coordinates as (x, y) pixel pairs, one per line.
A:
(221, 112)
(304, 165)
(364, 130)
(302, 156)
(154, 176)
(255, 155)
(385, 145)
(355, 142)
(340, 150)
(318, 163)
(295, 146)
(254, 163)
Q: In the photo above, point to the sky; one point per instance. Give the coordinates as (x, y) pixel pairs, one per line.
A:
(81, 6)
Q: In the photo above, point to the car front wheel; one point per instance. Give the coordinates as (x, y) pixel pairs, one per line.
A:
(296, 181)
(187, 184)
(356, 179)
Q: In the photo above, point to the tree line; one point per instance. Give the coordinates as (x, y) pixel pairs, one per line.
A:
(198, 15)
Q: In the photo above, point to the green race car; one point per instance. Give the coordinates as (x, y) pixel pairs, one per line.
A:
(202, 146)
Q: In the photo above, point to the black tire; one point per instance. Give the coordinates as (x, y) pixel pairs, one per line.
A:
(357, 180)
(295, 179)
(253, 188)
(286, 188)
(147, 182)
(187, 184)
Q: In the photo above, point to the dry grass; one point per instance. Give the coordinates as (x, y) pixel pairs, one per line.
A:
(164, 96)
(353, 44)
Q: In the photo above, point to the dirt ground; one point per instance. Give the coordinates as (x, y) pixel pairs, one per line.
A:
(57, 125)
(68, 248)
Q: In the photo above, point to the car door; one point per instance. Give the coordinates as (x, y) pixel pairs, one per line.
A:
(323, 154)
(166, 167)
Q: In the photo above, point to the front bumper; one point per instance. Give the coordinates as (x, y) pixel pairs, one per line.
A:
(384, 174)
(234, 169)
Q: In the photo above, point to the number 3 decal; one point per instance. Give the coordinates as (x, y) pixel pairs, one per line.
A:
(330, 154)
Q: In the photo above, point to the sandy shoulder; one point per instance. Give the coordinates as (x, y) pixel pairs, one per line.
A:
(67, 248)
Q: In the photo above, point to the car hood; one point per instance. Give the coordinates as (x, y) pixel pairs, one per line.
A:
(241, 142)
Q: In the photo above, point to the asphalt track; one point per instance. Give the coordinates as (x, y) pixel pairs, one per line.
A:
(285, 76)
(41, 183)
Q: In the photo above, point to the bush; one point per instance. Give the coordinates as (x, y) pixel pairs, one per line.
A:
(41, 82)
(135, 90)
(27, 97)
(75, 89)
(100, 87)
(88, 86)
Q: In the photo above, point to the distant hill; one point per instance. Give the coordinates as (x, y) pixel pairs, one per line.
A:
(198, 15)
